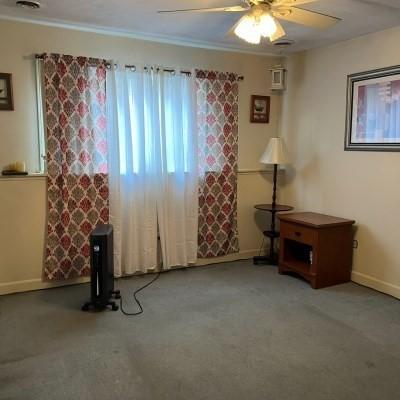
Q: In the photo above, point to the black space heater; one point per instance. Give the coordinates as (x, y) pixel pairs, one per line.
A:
(102, 270)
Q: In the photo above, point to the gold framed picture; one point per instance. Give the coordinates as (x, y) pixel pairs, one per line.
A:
(259, 109)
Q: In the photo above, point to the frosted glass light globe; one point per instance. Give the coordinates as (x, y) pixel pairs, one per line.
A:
(251, 27)
(266, 26)
(247, 30)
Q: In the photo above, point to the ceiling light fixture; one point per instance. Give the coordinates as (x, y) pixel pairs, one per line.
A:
(252, 27)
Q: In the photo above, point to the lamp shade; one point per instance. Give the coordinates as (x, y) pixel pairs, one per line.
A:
(275, 153)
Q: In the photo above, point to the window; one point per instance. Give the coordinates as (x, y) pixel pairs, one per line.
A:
(41, 156)
(156, 121)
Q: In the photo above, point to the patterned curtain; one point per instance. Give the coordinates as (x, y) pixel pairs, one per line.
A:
(77, 183)
(217, 119)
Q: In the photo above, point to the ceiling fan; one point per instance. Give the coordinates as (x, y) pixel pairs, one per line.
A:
(261, 18)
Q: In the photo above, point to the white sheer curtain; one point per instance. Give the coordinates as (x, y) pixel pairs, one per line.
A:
(177, 200)
(153, 169)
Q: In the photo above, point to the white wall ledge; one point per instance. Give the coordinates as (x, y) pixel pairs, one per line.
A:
(22, 177)
(259, 171)
(43, 176)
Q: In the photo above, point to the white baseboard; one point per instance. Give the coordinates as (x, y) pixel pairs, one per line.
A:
(241, 255)
(36, 284)
(377, 284)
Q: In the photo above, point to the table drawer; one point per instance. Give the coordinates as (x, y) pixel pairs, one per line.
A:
(299, 233)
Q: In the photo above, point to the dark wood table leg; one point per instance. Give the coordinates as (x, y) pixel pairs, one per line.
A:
(272, 234)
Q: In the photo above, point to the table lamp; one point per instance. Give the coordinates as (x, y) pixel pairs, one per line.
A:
(275, 154)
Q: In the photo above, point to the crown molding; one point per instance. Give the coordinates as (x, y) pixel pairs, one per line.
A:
(134, 35)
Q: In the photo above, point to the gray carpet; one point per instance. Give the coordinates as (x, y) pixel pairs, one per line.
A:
(229, 331)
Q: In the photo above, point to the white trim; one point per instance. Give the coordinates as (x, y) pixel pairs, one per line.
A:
(253, 171)
(22, 177)
(36, 284)
(43, 176)
(268, 171)
(241, 255)
(377, 284)
(135, 35)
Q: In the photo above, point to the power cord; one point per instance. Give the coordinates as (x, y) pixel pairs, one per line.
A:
(136, 299)
(262, 246)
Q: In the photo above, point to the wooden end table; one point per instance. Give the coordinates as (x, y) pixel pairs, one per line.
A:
(317, 247)
(272, 234)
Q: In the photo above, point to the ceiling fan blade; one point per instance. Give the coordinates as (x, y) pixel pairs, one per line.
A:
(280, 32)
(218, 9)
(305, 17)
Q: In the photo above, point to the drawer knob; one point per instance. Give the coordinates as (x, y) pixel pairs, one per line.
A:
(297, 233)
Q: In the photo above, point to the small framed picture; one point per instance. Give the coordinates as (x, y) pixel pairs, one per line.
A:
(373, 110)
(259, 109)
(6, 98)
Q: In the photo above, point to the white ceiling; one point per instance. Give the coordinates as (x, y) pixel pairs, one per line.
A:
(139, 17)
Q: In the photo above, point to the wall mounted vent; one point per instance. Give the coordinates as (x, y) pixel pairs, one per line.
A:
(283, 43)
(30, 4)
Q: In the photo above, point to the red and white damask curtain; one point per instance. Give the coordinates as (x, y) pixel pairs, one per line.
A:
(217, 119)
(75, 94)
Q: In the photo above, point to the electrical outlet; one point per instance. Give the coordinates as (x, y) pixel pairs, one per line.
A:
(355, 244)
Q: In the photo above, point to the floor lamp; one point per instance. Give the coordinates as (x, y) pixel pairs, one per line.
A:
(275, 154)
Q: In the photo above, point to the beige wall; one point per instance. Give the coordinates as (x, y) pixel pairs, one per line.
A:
(364, 186)
(22, 202)
(18, 128)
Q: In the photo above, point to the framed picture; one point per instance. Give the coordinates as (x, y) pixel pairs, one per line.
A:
(6, 98)
(259, 109)
(373, 110)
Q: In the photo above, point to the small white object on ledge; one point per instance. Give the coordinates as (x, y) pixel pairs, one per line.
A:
(20, 166)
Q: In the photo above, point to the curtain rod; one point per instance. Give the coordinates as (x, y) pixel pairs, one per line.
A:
(41, 57)
(133, 67)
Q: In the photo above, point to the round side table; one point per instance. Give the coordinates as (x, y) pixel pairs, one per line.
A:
(272, 234)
